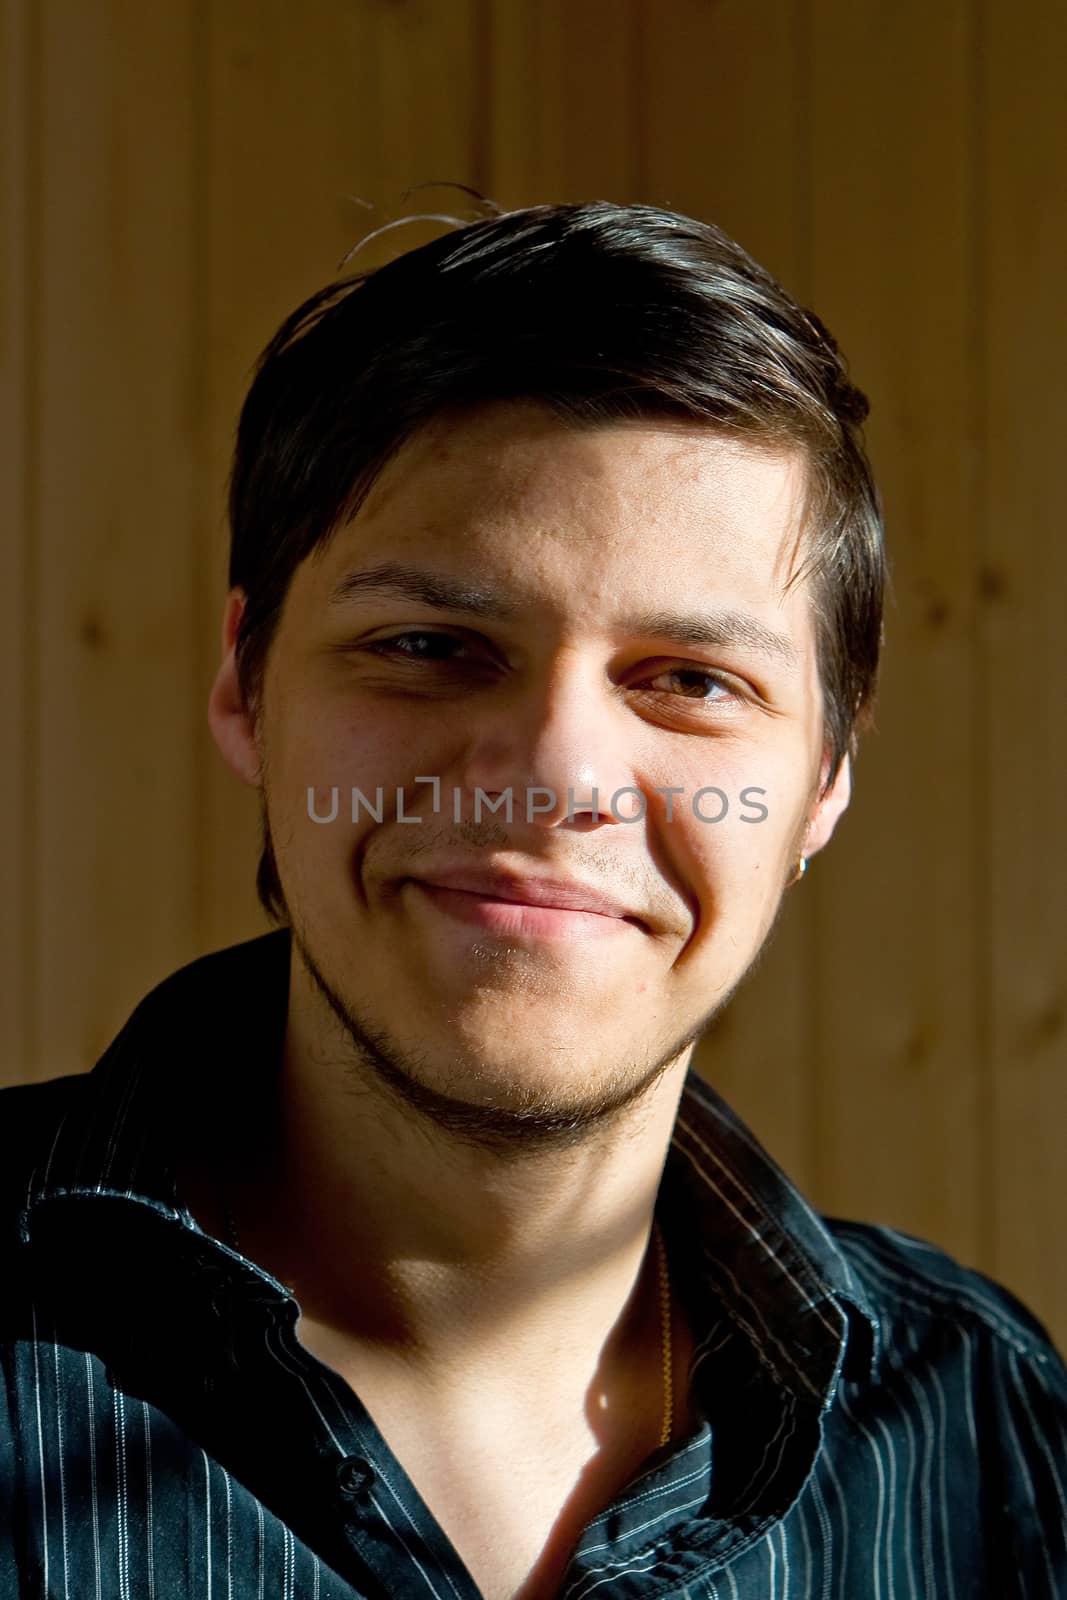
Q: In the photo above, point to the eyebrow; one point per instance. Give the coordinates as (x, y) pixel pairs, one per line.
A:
(717, 628)
(412, 583)
(720, 628)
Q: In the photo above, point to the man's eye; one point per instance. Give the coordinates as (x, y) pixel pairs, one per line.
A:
(418, 645)
(695, 683)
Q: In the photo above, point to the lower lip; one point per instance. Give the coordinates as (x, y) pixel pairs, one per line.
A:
(515, 919)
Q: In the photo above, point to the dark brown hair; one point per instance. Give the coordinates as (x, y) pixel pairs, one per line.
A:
(601, 312)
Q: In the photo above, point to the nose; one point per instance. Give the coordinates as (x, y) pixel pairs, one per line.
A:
(556, 742)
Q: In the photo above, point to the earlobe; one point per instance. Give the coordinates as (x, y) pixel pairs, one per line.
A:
(232, 724)
(829, 808)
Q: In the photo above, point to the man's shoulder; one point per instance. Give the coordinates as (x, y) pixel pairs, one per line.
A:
(919, 1290)
(31, 1112)
(31, 1115)
(177, 1012)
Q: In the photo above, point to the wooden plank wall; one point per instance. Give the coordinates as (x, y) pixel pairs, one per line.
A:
(176, 177)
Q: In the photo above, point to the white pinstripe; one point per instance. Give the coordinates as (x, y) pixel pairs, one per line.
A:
(872, 1444)
(968, 1385)
(123, 1493)
(62, 1476)
(91, 1429)
(149, 1543)
(40, 1451)
(207, 1516)
(229, 1535)
(808, 1562)
(910, 1482)
(823, 1516)
(827, 1461)
(785, 1562)
(926, 1416)
(942, 1495)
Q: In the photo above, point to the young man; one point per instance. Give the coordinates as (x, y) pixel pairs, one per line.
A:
(401, 1251)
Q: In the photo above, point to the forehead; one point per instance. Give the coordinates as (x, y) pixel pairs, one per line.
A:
(656, 505)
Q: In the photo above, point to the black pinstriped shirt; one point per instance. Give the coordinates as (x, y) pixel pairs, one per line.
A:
(877, 1421)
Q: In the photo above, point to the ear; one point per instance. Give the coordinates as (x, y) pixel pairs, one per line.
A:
(826, 811)
(233, 727)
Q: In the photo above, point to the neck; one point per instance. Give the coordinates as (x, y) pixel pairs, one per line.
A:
(470, 1263)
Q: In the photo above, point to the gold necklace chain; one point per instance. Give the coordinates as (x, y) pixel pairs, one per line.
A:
(230, 1229)
(665, 1336)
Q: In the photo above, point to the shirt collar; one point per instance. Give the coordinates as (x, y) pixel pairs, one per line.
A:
(778, 1269)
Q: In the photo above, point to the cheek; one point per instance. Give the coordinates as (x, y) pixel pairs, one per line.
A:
(733, 826)
(328, 752)
(324, 744)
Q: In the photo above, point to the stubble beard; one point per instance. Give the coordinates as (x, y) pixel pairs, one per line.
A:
(536, 1121)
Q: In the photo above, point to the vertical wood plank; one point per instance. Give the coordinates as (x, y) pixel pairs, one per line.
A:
(318, 120)
(1023, 581)
(723, 119)
(898, 896)
(16, 332)
(114, 421)
(416, 89)
(564, 119)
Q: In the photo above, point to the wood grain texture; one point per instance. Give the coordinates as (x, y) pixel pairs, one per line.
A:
(1022, 582)
(565, 96)
(17, 328)
(899, 1040)
(112, 560)
(723, 101)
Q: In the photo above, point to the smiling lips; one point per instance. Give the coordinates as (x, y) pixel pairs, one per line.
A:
(516, 904)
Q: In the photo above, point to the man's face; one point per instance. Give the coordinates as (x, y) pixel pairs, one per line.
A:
(560, 665)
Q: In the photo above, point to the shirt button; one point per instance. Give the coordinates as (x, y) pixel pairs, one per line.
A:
(354, 1475)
